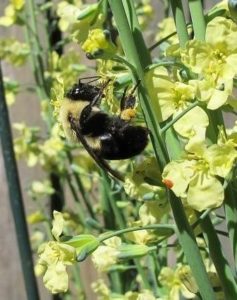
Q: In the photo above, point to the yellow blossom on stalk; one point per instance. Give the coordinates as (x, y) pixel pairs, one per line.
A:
(195, 179)
(138, 184)
(178, 281)
(168, 96)
(106, 255)
(98, 44)
(57, 95)
(144, 12)
(52, 147)
(36, 217)
(11, 89)
(36, 239)
(77, 19)
(143, 295)
(67, 67)
(171, 98)
(26, 144)
(101, 289)
(214, 61)
(40, 189)
(151, 212)
(165, 28)
(11, 13)
(13, 51)
(52, 152)
(142, 237)
(54, 256)
(68, 14)
(216, 56)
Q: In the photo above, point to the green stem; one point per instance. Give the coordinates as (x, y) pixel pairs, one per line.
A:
(119, 220)
(153, 272)
(177, 9)
(16, 199)
(142, 273)
(161, 41)
(174, 120)
(222, 267)
(131, 49)
(81, 211)
(132, 46)
(36, 49)
(163, 229)
(81, 189)
(198, 20)
(191, 250)
(231, 219)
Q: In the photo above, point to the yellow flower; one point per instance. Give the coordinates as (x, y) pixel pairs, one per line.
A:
(106, 255)
(36, 217)
(171, 98)
(52, 147)
(214, 61)
(151, 212)
(176, 281)
(195, 180)
(53, 258)
(13, 51)
(167, 96)
(77, 20)
(216, 56)
(11, 90)
(25, 145)
(143, 295)
(101, 289)
(138, 184)
(142, 237)
(40, 189)
(98, 44)
(11, 13)
(165, 28)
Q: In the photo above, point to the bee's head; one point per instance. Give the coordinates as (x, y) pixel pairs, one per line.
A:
(83, 92)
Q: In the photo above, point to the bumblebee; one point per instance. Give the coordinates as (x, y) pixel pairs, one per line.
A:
(104, 136)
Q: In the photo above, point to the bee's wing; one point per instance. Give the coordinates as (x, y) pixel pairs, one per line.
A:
(101, 162)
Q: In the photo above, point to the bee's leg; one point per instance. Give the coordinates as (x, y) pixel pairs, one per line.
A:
(128, 101)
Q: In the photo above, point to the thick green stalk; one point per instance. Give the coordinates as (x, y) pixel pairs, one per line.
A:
(231, 219)
(81, 211)
(84, 194)
(131, 49)
(179, 18)
(198, 20)
(142, 273)
(119, 220)
(223, 269)
(36, 49)
(16, 200)
(190, 248)
(163, 229)
(186, 236)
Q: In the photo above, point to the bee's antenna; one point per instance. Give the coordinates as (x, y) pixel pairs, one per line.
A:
(94, 78)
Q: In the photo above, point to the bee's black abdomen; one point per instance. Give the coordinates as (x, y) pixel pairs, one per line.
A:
(125, 143)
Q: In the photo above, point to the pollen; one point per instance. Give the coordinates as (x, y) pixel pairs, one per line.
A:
(168, 183)
(128, 114)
